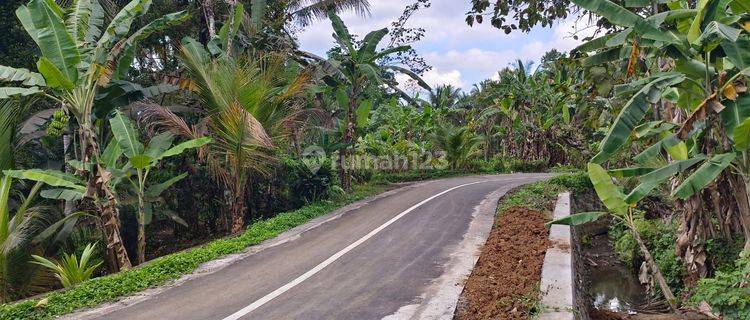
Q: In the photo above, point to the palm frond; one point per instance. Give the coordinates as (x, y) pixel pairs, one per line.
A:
(307, 11)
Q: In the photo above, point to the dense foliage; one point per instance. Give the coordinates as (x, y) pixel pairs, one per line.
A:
(147, 132)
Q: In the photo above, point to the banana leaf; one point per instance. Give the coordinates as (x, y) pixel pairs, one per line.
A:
(54, 41)
(156, 190)
(632, 114)
(738, 52)
(7, 92)
(607, 191)
(342, 34)
(656, 177)
(26, 77)
(50, 177)
(742, 136)
(180, 148)
(62, 194)
(704, 175)
(370, 44)
(126, 135)
(118, 28)
(620, 16)
(578, 219)
(630, 172)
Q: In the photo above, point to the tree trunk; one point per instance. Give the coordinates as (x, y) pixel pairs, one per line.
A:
(238, 213)
(141, 230)
(346, 180)
(342, 167)
(666, 291)
(741, 186)
(208, 14)
(70, 206)
(99, 199)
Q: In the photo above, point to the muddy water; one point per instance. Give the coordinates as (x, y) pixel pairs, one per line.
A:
(613, 288)
(605, 283)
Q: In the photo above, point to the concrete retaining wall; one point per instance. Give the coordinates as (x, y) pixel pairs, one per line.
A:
(557, 271)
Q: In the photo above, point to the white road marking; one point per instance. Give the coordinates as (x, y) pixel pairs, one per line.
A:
(260, 302)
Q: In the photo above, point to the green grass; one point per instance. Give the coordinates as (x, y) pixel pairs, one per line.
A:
(537, 196)
(161, 270)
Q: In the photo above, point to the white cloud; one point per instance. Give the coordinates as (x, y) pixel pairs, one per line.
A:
(433, 77)
(460, 55)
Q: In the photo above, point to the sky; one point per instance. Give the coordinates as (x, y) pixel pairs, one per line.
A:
(460, 55)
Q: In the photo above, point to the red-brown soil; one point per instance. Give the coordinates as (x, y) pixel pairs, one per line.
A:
(505, 281)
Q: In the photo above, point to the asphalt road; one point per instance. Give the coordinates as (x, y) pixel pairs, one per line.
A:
(382, 259)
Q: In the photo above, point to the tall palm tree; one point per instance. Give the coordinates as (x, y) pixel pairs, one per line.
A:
(249, 105)
(304, 12)
(444, 97)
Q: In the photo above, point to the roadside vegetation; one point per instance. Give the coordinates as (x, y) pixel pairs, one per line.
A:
(130, 132)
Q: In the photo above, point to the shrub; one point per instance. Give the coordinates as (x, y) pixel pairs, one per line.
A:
(660, 238)
(574, 182)
(516, 165)
(71, 270)
(727, 293)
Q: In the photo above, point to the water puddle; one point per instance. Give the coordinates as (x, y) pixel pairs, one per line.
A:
(613, 288)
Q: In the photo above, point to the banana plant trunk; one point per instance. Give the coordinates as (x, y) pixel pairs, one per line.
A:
(100, 200)
(666, 291)
(743, 203)
(141, 229)
(70, 205)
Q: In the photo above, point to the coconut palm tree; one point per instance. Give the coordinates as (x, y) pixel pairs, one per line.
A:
(458, 143)
(249, 105)
(444, 97)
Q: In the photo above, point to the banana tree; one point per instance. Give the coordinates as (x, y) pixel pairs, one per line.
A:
(80, 57)
(355, 69)
(143, 159)
(622, 206)
(687, 66)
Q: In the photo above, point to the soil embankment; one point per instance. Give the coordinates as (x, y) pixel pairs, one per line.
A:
(505, 282)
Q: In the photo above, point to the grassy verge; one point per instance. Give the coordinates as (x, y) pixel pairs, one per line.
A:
(161, 270)
(537, 196)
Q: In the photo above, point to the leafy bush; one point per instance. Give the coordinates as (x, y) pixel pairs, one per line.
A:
(534, 196)
(309, 184)
(71, 270)
(516, 165)
(723, 253)
(575, 181)
(727, 293)
(660, 238)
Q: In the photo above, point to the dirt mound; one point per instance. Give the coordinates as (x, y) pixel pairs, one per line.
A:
(505, 282)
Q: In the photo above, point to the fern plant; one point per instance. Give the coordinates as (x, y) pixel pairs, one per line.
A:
(70, 270)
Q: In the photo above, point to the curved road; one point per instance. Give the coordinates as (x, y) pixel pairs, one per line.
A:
(401, 255)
